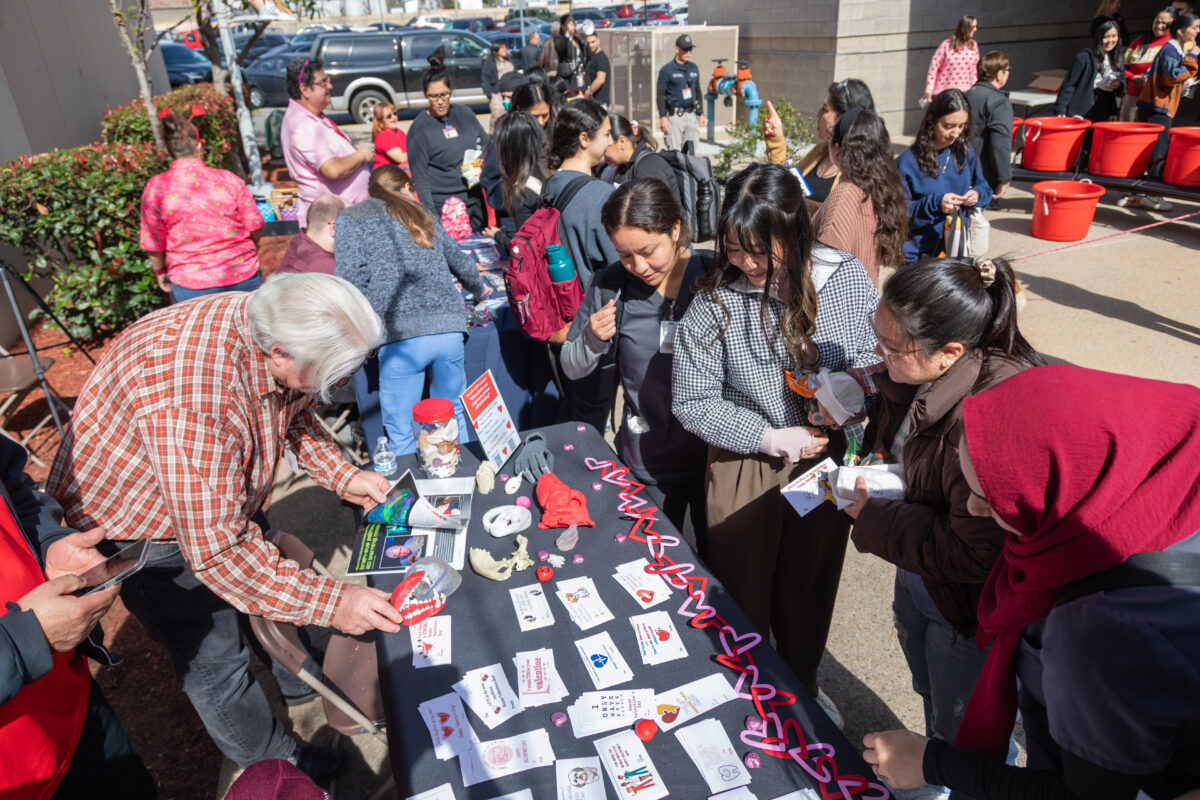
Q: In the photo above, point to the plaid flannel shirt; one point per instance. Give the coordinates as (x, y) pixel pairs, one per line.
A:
(176, 437)
(729, 388)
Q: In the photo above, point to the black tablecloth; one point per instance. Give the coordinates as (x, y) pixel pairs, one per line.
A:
(485, 631)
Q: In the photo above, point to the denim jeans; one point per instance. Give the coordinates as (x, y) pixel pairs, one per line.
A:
(212, 665)
(402, 367)
(249, 285)
(944, 667)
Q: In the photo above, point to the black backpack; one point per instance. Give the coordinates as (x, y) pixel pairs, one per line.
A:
(699, 192)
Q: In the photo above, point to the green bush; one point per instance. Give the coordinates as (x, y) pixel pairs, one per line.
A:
(217, 125)
(799, 130)
(75, 215)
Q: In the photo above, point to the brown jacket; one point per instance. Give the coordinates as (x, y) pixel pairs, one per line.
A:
(930, 533)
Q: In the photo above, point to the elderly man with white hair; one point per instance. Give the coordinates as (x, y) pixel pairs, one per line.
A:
(176, 437)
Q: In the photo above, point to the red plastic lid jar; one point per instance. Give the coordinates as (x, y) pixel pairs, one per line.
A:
(433, 410)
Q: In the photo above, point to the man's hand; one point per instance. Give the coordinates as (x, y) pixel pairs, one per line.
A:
(164, 283)
(664, 125)
(368, 489)
(74, 554)
(702, 122)
(774, 124)
(604, 322)
(66, 619)
(365, 609)
(897, 757)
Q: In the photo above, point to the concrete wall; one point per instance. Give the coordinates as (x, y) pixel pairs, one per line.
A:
(799, 48)
(61, 64)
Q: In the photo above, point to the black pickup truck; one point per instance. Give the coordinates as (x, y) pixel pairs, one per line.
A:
(386, 67)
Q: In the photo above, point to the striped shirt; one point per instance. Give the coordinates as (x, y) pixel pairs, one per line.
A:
(176, 437)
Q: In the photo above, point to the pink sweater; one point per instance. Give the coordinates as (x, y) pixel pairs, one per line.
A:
(952, 69)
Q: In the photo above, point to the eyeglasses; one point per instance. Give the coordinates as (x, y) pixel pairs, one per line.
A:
(390, 115)
(888, 355)
(438, 96)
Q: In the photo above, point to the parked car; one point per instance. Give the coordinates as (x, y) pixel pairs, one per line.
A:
(189, 39)
(515, 41)
(319, 27)
(265, 41)
(474, 24)
(600, 18)
(265, 78)
(626, 22)
(372, 68)
(623, 11)
(430, 21)
(385, 26)
(540, 14)
(184, 65)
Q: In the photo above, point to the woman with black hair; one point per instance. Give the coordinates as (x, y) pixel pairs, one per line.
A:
(520, 151)
(940, 173)
(630, 314)
(818, 169)
(496, 65)
(534, 98)
(437, 140)
(866, 214)
(1095, 83)
(775, 300)
(632, 153)
(946, 330)
(1174, 66)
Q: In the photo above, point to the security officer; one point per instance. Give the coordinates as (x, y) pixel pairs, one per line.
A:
(679, 110)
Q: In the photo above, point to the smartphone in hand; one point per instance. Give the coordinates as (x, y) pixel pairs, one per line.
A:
(115, 568)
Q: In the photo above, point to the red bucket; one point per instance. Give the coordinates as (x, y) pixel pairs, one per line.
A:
(1017, 121)
(1122, 149)
(1183, 158)
(1063, 210)
(1052, 144)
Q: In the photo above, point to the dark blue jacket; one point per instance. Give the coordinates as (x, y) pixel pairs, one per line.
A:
(926, 220)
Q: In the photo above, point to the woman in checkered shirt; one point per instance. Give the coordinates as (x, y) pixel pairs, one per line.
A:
(732, 348)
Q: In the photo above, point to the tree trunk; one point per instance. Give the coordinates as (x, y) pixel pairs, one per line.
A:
(140, 68)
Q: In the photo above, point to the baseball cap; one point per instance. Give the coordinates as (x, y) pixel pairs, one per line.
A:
(587, 28)
(684, 42)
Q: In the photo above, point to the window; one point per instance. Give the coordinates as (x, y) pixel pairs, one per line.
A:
(422, 47)
(374, 50)
(337, 51)
(462, 47)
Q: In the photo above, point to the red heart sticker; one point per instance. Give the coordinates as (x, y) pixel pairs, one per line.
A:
(645, 595)
(663, 634)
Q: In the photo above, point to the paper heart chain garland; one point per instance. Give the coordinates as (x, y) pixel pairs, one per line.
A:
(779, 737)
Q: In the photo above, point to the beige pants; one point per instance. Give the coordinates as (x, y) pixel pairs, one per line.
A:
(684, 127)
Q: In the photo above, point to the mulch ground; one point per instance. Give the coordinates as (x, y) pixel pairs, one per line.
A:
(142, 690)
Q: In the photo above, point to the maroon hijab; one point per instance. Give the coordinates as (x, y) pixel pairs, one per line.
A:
(1091, 468)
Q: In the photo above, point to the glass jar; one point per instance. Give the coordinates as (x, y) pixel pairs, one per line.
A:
(435, 431)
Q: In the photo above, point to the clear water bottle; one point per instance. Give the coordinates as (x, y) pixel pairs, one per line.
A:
(385, 458)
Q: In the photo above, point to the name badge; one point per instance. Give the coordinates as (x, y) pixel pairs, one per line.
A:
(687, 93)
(666, 336)
(450, 132)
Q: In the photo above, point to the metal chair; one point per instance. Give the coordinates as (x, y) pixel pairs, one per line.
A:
(348, 681)
(19, 377)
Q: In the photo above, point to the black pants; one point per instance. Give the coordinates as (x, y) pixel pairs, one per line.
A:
(589, 399)
(1158, 158)
(105, 761)
(680, 501)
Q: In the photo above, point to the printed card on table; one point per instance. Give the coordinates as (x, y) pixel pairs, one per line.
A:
(582, 601)
(448, 726)
(579, 779)
(740, 793)
(629, 767)
(485, 761)
(599, 712)
(684, 703)
(430, 642)
(800, 794)
(646, 588)
(524, 794)
(531, 607)
(443, 792)
(538, 681)
(491, 420)
(603, 662)
(658, 640)
(487, 691)
(707, 744)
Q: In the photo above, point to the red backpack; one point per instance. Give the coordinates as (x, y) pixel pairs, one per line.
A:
(542, 308)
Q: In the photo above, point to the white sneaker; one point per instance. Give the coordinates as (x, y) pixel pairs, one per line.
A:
(1128, 200)
(1155, 203)
(829, 708)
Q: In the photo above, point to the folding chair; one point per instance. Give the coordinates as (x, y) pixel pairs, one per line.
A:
(349, 685)
(17, 379)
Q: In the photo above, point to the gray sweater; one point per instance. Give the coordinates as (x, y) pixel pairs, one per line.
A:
(590, 247)
(410, 287)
